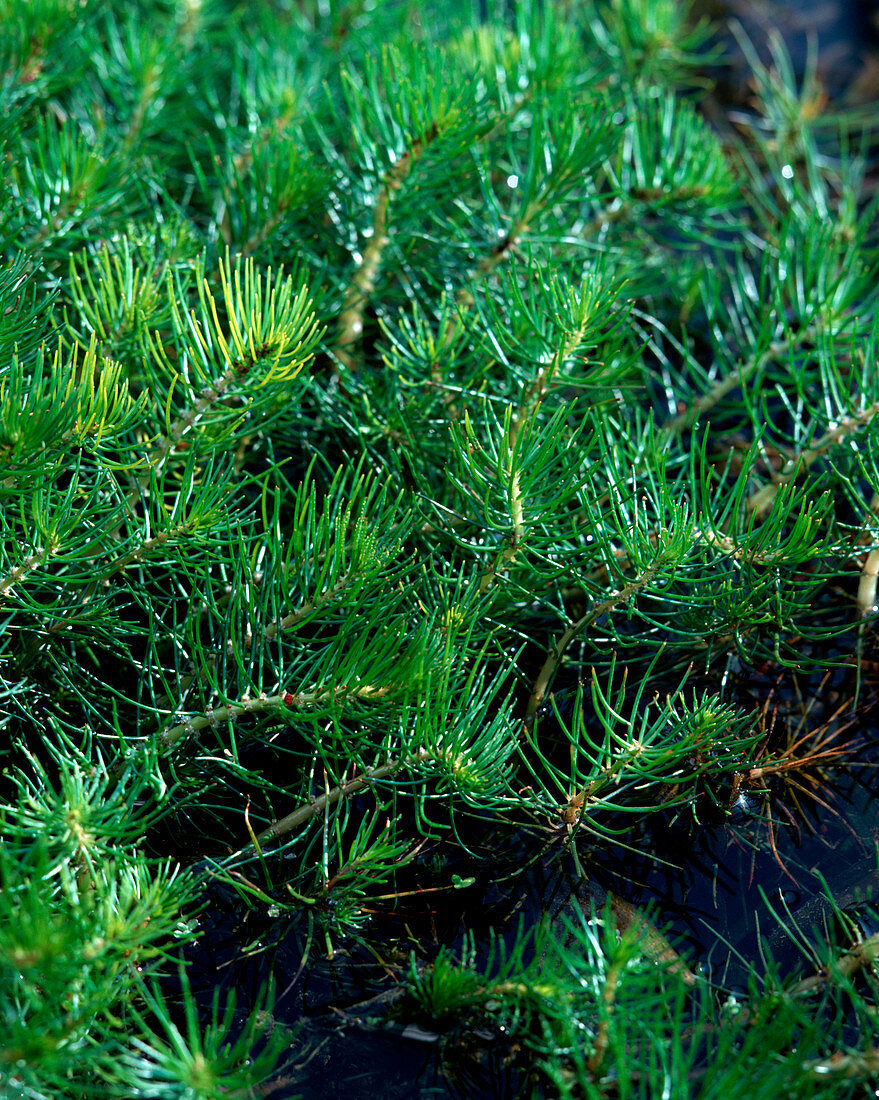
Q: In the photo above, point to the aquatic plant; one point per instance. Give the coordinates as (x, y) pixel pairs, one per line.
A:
(416, 427)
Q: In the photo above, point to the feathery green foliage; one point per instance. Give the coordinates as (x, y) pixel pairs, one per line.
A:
(368, 372)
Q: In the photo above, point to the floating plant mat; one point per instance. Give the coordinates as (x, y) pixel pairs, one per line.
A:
(436, 443)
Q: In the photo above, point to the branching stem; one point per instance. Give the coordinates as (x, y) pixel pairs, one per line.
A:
(349, 327)
(552, 662)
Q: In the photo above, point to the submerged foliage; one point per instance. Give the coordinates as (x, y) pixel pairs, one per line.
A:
(411, 420)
